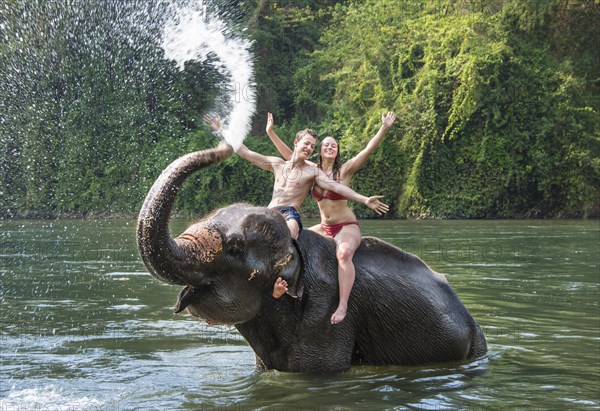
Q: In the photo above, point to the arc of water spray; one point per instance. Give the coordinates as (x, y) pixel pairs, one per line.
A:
(193, 34)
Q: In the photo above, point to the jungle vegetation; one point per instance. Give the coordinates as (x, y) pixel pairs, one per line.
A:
(497, 101)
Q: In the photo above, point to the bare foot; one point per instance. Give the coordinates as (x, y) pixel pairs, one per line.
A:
(339, 314)
(279, 288)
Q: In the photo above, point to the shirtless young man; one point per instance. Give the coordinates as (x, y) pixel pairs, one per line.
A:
(293, 179)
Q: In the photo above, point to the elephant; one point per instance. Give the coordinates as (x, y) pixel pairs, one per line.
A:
(400, 311)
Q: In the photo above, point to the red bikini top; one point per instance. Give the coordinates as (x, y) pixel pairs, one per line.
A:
(330, 195)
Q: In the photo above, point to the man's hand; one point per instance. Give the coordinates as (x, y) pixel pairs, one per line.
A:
(374, 204)
(270, 123)
(213, 122)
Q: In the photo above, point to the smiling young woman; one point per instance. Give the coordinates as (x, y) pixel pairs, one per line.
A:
(337, 219)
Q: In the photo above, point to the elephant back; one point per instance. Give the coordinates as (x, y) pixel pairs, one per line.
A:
(399, 300)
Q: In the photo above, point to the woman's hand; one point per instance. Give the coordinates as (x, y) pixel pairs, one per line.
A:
(388, 119)
(374, 204)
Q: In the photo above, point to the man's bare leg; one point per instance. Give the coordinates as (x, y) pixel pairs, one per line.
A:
(294, 228)
(280, 286)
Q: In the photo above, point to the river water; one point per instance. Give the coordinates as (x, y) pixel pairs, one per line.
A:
(83, 326)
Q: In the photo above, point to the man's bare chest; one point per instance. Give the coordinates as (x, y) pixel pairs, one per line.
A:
(293, 177)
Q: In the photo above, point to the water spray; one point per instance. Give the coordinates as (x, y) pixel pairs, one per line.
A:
(194, 34)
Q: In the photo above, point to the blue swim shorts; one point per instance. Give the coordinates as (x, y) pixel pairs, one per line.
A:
(290, 213)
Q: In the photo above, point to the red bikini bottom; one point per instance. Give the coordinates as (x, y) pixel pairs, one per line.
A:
(333, 229)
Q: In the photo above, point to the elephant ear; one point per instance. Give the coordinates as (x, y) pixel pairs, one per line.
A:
(291, 271)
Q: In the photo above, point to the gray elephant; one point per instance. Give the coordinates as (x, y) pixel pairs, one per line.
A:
(400, 311)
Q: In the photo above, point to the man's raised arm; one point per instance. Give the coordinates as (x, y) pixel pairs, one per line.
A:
(264, 162)
(283, 149)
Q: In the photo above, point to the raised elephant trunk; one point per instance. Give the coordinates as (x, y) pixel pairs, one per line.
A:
(164, 256)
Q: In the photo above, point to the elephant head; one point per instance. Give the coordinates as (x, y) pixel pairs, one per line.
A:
(228, 261)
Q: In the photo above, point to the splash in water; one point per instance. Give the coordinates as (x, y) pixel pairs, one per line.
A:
(194, 35)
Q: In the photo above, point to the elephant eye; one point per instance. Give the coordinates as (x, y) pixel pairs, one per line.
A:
(235, 246)
(235, 250)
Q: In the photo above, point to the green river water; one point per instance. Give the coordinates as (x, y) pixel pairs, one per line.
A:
(84, 326)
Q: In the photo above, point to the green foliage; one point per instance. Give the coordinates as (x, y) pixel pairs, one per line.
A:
(91, 110)
(497, 101)
(285, 34)
(496, 117)
(233, 180)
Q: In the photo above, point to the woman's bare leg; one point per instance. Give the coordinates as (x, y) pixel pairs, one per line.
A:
(347, 241)
(318, 229)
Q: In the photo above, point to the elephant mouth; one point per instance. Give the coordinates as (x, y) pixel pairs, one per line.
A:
(190, 295)
(185, 298)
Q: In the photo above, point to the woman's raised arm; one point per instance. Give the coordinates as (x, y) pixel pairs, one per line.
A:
(355, 163)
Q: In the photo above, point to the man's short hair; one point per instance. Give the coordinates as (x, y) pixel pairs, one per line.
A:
(304, 132)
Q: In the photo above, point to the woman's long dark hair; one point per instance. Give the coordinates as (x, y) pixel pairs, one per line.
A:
(337, 163)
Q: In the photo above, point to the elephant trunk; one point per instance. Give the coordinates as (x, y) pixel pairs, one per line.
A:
(164, 256)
